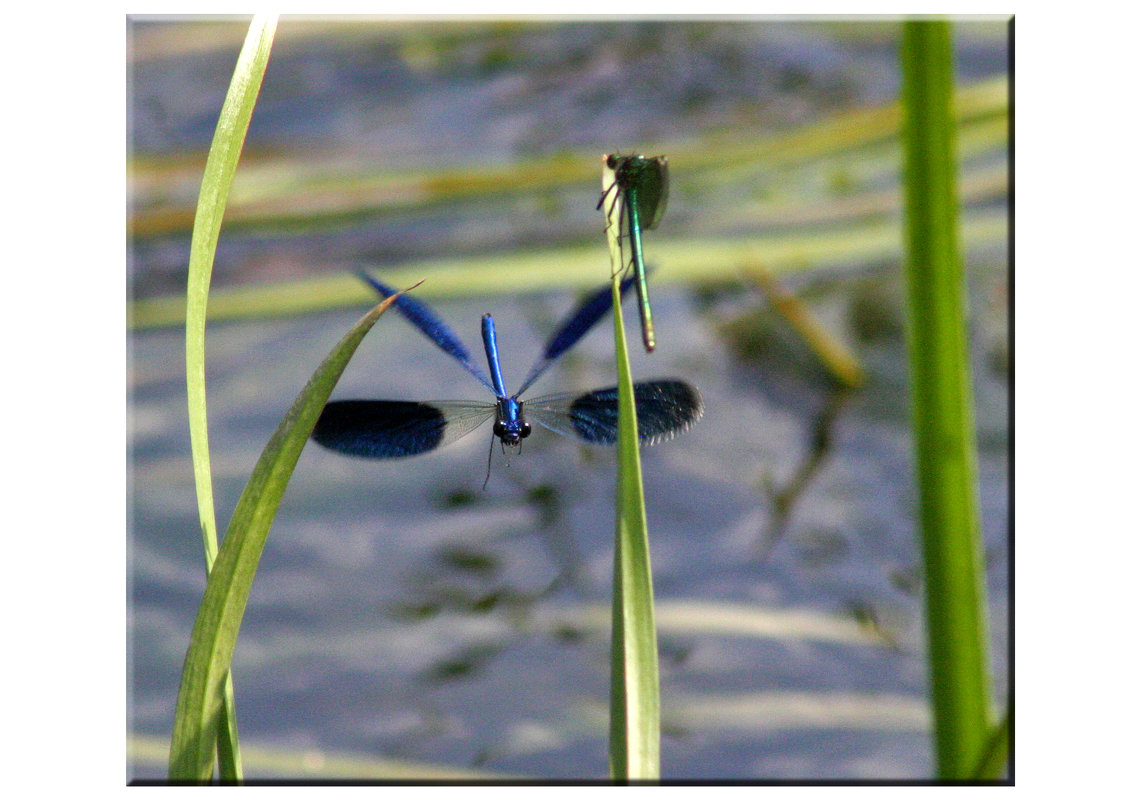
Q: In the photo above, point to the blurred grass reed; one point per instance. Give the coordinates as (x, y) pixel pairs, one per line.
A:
(838, 361)
(704, 262)
(941, 409)
(844, 226)
(275, 194)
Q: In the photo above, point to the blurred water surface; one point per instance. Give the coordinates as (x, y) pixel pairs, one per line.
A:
(400, 612)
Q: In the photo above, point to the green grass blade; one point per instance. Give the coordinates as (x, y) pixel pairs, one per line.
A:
(219, 170)
(635, 704)
(228, 141)
(941, 406)
(218, 619)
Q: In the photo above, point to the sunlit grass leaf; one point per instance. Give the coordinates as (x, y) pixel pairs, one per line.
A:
(218, 619)
(220, 166)
(635, 704)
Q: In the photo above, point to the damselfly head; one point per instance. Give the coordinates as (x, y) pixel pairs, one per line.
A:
(511, 433)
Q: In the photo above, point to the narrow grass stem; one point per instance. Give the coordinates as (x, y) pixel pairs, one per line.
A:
(941, 407)
(635, 703)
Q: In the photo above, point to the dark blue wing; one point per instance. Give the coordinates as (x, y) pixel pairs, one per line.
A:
(592, 309)
(665, 409)
(382, 429)
(427, 321)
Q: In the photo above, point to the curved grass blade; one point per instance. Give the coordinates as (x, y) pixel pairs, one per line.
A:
(224, 153)
(941, 406)
(218, 619)
(635, 727)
